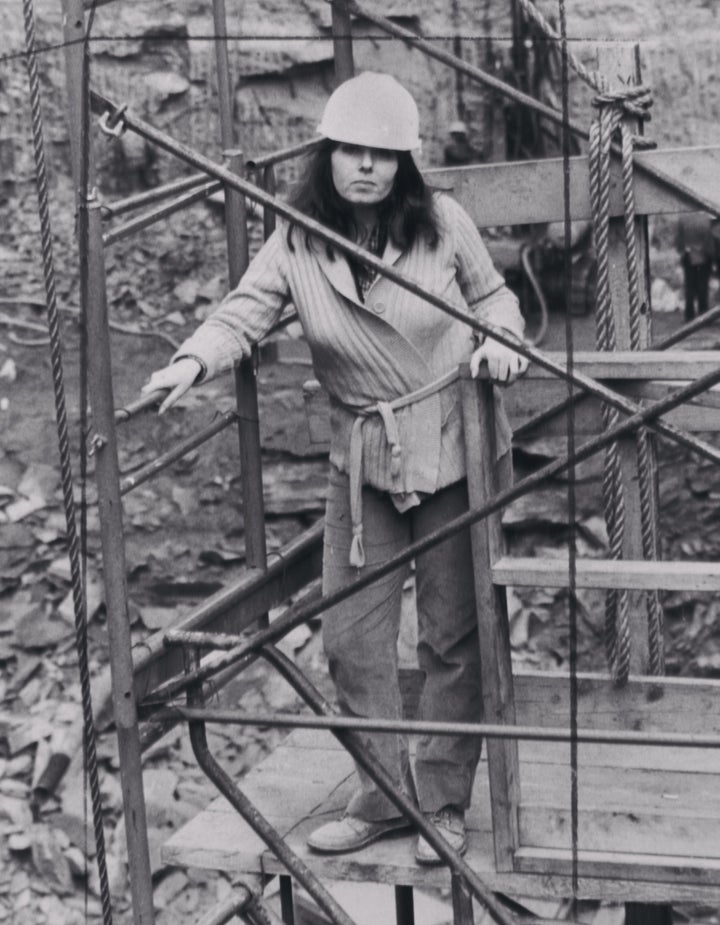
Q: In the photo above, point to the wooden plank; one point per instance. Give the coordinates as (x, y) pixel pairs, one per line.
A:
(627, 831)
(526, 571)
(628, 364)
(643, 704)
(491, 608)
(525, 401)
(221, 840)
(683, 759)
(669, 870)
(529, 192)
(676, 794)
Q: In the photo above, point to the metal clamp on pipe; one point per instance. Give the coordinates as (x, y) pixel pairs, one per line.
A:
(113, 122)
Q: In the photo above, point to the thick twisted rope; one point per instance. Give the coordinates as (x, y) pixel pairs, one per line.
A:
(78, 591)
(644, 457)
(612, 107)
(617, 620)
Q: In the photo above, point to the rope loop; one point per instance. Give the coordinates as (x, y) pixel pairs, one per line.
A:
(633, 101)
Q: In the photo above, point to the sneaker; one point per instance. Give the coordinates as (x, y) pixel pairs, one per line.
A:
(450, 823)
(351, 833)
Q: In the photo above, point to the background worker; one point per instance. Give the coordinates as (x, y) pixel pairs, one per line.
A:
(458, 150)
(397, 462)
(696, 244)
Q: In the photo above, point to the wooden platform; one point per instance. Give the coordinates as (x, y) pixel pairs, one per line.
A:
(649, 817)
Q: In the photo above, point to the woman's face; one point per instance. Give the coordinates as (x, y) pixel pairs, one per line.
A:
(363, 176)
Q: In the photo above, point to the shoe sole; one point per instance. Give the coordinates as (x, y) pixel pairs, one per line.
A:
(436, 861)
(356, 846)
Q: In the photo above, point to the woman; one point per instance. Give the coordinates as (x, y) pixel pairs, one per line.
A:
(397, 459)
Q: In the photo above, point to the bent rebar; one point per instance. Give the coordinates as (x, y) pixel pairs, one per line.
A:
(257, 822)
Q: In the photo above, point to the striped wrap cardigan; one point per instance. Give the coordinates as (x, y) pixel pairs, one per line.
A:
(370, 356)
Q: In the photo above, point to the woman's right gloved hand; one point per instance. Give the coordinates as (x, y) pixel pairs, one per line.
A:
(177, 377)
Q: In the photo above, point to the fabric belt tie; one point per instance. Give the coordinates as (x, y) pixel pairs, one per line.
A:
(386, 410)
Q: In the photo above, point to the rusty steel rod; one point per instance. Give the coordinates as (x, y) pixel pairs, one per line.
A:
(296, 615)
(177, 452)
(510, 92)
(429, 727)
(155, 215)
(390, 272)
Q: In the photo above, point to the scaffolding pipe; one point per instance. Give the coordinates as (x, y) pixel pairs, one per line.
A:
(298, 614)
(138, 200)
(342, 42)
(554, 115)
(270, 187)
(391, 272)
(154, 215)
(113, 552)
(177, 452)
(238, 260)
(333, 722)
(283, 154)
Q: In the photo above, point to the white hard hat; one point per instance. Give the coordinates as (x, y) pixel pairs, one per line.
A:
(458, 128)
(372, 110)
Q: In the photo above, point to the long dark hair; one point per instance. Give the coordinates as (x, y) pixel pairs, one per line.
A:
(408, 212)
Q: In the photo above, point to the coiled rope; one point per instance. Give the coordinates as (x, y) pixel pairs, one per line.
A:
(612, 110)
(74, 552)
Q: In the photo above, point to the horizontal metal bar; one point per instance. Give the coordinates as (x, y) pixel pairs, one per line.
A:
(177, 452)
(140, 404)
(390, 272)
(427, 727)
(155, 215)
(283, 154)
(296, 615)
(112, 209)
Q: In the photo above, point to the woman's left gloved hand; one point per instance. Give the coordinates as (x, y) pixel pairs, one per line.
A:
(504, 364)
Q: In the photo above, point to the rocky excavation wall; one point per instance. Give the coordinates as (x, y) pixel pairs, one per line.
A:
(283, 70)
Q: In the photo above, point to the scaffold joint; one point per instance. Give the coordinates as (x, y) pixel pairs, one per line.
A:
(112, 122)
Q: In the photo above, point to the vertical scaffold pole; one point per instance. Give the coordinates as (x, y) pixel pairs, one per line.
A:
(342, 42)
(238, 259)
(104, 445)
(93, 294)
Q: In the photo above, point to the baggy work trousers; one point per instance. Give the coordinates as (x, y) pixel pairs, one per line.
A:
(360, 637)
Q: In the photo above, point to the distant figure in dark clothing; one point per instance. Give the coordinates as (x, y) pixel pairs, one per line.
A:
(696, 245)
(458, 150)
